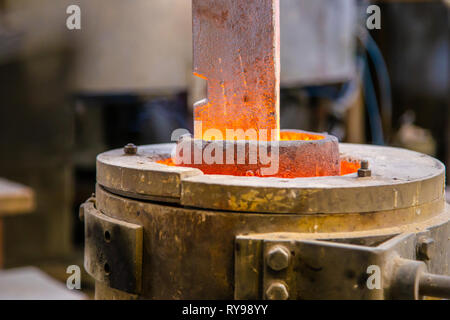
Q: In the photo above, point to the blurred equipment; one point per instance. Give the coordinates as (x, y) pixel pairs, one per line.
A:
(36, 127)
(318, 41)
(413, 137)
(121, 46)
(15, 199)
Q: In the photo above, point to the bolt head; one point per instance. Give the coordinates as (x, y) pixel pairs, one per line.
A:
(365, 164)
(130, 149)
(425, 247)
(278, 258)
(277, 291)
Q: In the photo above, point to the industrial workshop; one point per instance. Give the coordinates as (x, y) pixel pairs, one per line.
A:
(224, 150)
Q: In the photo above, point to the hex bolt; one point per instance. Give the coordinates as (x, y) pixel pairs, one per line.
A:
(364, 171)
(277, 291)
(364, 164)
(424, 248)
(278, 258)
(130, 149)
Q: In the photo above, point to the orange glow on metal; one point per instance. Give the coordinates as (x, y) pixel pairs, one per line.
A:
(291, 136)
(241, 63)
(347, 167)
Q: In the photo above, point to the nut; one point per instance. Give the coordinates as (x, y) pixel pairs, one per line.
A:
(277, 291)
(425, 248)
(278, 258)
(130, 149)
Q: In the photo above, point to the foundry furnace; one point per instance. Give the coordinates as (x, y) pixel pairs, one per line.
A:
(244, 210)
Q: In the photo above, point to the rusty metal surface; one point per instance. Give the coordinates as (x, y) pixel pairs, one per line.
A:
(330, 270)
(181, 243)
(139, 175)
(113, 250)
(237, 50)
(400, 179)
(434, 285)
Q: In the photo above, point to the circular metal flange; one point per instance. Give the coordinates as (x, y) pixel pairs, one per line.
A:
(400, 179)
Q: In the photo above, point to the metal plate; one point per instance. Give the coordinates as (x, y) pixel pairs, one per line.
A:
(236, 46)
(400, 179)
(113, 250)
(315, 269)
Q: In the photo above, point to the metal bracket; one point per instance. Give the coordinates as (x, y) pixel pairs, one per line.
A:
(113, 250)
(281, 266)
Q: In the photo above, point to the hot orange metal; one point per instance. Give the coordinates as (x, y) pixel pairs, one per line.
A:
(347, 167)
(288, 167)
(237, 51)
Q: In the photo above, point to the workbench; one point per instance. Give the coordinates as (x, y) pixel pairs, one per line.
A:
(15, 199)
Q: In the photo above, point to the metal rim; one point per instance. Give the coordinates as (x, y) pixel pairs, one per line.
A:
(401, 179)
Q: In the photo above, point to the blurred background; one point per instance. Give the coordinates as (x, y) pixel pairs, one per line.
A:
(126, 76)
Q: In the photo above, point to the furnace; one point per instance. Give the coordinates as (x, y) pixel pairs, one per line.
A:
(166, 232)
(290, 215)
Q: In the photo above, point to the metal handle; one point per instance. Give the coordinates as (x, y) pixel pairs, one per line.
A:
(434, 285)
(412, 281)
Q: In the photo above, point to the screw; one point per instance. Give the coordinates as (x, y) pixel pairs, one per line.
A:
(364, 170)
(130, 149)
(278, 258)
(424, 248)
(277, 291)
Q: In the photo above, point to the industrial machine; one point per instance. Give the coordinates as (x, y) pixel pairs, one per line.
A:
(203, 219)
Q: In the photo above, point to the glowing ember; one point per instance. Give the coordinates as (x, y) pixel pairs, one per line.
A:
(293, 135)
